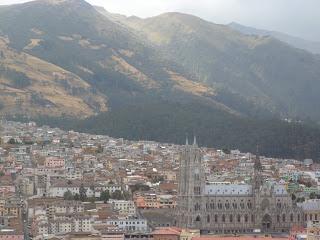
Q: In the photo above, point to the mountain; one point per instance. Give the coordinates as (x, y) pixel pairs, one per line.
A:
(311, 46)
(29, 85)
(260, 69)
(157, 78)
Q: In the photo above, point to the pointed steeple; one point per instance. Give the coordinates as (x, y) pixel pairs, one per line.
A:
(257, 162)
(257, 175)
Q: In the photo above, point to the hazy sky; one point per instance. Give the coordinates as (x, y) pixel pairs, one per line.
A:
(296, 17)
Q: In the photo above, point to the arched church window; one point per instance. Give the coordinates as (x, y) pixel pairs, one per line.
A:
(291, 217)
(316, 217)
(278, 204)
(196, 177)
(208, 218)
(196, 190)
(265, 204)
(283, 217)
(242, 205)
(198, 219)
(197, 207)
(239, 218)
(227, 205)
(234, 205)
(215, 218)
(249, 204)
(246, 218)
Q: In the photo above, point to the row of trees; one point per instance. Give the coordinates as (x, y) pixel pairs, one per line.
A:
(312, 195)
(104, 196)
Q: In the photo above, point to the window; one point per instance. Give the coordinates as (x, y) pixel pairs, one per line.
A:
(197, 207)
(283, 217)
(208, 218)
(242, 204)
(246, 218)
(239, 218)
(291, 217)
(279, 204)
(231, 218)
(215, 218)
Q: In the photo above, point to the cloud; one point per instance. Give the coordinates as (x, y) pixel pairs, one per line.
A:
(296, 17)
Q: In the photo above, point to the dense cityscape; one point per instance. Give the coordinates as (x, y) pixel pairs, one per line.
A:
(57, 184)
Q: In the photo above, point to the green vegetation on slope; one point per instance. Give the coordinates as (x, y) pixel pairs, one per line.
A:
(167, 122)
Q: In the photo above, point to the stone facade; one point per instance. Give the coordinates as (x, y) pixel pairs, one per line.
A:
(231, 208)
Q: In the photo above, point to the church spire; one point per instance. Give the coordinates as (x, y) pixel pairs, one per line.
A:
(257, 162)
(187, 140)
(194, 140)
(257, 175)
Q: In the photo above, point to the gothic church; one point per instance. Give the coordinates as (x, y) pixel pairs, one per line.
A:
(231, 208)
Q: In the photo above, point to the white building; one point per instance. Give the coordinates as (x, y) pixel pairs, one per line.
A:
(130, 224)
(124, 207)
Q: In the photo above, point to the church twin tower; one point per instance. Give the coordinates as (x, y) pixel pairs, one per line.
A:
(191, 185)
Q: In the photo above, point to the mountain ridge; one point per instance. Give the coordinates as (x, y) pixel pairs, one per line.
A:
(311, 46)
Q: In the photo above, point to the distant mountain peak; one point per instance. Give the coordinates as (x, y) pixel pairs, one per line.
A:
(71, 3)
(297, 42)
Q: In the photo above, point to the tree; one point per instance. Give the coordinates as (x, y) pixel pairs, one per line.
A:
(293, 197)
(139, 187)
(76, 197)
(82, 193)
(226, 151)
(117, 194)
(126, 195)
(308, 184)
(68, 195)
(12, 141)
(105, 196)
(312, 195)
